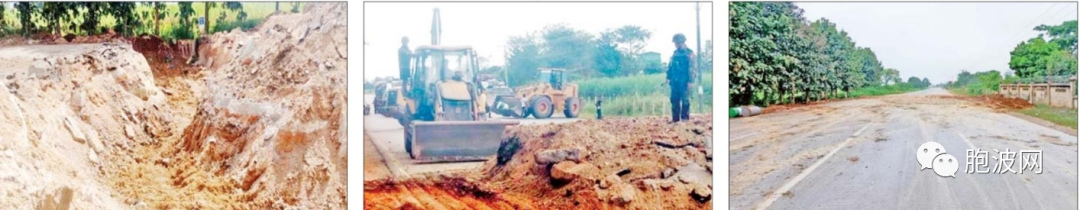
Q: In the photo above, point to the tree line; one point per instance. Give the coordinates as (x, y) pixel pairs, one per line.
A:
(1039, 57)
(777, 56)
(1035, 60)
(614, 52)
(84, 18)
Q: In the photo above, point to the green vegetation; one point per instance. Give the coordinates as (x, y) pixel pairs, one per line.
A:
(1034, 61)
(1060, 116)
(777, 56)
(637, 95)
(979, 83)
(885, 90)
(173, 19)
(1039, 57)
(616, 52)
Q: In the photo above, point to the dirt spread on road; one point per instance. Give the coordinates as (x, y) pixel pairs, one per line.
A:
(593, 164)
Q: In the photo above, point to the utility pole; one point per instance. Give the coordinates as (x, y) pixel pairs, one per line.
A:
(697, 61)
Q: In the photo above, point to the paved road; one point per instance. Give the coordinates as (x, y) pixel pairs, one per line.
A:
(388, 137)
(860, 154)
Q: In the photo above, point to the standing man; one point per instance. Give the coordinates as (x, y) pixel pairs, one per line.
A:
(403, 58)
(681, 78)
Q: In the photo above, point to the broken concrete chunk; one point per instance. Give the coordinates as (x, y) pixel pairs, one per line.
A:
(657, 184)
(558, 155)
(694, 174)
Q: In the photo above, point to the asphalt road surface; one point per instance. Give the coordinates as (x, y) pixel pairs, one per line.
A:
(861, 154)
(389, 141)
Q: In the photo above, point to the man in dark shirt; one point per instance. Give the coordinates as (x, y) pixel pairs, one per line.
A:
(681, 78)
(403, 58)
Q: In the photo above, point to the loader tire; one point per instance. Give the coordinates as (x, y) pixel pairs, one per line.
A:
(541, 107)
(573, 107)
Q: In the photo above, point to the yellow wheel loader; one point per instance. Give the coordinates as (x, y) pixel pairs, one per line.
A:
(542, 100)
(444, 115)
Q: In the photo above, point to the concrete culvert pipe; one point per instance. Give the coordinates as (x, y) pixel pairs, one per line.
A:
(750, 111)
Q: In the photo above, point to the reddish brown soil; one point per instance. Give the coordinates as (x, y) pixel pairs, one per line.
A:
(436, 193)
(995, 101)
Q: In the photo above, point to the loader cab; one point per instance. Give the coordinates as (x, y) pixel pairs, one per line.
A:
(436, 93)
(555, 77)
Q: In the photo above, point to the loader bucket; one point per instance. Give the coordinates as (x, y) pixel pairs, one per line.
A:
(456, 141)
(509, 106)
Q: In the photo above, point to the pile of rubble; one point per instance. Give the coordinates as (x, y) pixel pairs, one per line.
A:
(634, 163)
(627, 162)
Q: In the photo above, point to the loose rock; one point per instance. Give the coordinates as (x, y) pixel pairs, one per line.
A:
(562, 171)
(557, 155)
(76, 134)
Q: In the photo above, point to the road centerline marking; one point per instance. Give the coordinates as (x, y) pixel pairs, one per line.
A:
(787, 186)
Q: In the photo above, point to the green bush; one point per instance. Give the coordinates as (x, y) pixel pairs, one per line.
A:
(884, 90)
(245, 25)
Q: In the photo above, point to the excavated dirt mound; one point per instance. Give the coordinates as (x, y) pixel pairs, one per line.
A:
(610, 164)
(273, 119)
(995, 101)
(68, 114)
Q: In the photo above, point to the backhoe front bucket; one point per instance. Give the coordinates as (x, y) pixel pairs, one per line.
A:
(456, 141)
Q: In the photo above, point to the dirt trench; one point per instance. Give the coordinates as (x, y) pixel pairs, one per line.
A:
(112, 125)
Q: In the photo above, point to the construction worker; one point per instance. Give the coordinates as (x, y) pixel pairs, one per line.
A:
(681, 78)
(404, 54)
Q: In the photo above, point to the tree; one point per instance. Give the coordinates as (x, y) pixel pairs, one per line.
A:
(1063, 35)
(295, 7)
(206, 14)
(26, 10)
(124, 12)
(1028, 58)
(55, 13)
(925, 83)
(184, 29)
(3, 10)
(565, 47)
(522, 59)
(706, 57)
(92, 16)
(618, 50)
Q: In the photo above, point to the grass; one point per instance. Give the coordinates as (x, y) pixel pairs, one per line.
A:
(1060, 116)
(632, 85)
(655, 104)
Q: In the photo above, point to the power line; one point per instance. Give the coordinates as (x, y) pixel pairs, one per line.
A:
(1036, 20)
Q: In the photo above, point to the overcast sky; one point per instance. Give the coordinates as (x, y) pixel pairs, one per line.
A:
(487, 26)
(937, 40)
